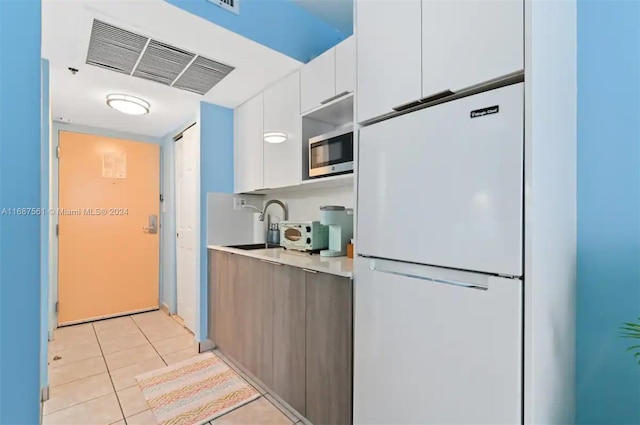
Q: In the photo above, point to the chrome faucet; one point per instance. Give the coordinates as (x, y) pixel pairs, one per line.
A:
(274, 201)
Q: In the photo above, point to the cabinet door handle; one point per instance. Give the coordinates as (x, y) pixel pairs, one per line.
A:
(437, 96)
(271, 262)
(346, 92)
(310, 271)
(427, 99)
(406, 105)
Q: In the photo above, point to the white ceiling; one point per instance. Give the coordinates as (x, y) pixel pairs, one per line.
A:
(81, 98)
(337, 13)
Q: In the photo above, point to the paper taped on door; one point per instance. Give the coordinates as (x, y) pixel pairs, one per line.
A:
(114, 165)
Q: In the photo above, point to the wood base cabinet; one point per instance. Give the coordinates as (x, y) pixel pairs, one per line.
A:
(289, 333)
(289, 327)
(329, 349)
(241, 311)
(253, 302)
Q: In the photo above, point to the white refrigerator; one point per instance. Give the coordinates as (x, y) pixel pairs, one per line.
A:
(438, 312)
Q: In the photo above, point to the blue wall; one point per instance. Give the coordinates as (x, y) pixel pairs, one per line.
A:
(277, 24)
(216, 175)
(19, 235)
(608, 378)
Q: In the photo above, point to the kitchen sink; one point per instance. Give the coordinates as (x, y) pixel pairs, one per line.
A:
(253, 246)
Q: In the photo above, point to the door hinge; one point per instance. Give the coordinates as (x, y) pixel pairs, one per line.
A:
(58, 152)
(57, 306)
(57, 229)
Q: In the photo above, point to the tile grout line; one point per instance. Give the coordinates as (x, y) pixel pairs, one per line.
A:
(283, 410)
(108, 370)
(137, 346)
(124, 349)
(74, 405)
(90, 376)
(150, 343)
(84, 377)
(51, 367)
(115, 393)
(188, 332)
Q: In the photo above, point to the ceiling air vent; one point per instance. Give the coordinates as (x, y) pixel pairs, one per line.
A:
(114, 48)
(230, 5)
(162, 63)
(202, 75)
(123, 51)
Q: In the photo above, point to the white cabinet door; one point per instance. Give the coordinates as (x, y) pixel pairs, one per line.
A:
(318, 80)
(466, 42)
(443, 185)
(346, 66)
(389, 55)
(282, 161)
(248, 145)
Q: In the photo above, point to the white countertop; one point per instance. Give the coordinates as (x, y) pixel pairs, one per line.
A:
(340, 266)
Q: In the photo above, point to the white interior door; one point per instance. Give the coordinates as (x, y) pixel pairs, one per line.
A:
(187, 158)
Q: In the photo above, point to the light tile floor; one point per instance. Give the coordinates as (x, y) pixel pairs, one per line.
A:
(92, 370)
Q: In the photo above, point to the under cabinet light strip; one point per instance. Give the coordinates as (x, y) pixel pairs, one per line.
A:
(144, 49)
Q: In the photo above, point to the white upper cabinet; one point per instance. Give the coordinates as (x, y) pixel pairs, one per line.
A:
(389, 55)
(467, 42)
(282, 161)
(248, 146)
(318, 80)
(411, 50)
(329, 76)
(346, 66)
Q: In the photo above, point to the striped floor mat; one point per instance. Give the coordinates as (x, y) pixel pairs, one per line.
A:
(194, 391)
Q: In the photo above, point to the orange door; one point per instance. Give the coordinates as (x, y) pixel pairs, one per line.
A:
(108, 261)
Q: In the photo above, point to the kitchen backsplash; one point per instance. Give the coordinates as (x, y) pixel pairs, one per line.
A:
(305, 205)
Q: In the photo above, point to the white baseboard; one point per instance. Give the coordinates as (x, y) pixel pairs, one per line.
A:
(44, 394)
(206, 345)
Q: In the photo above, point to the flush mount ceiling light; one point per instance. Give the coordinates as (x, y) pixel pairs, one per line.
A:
(275, 137)
(128, 104)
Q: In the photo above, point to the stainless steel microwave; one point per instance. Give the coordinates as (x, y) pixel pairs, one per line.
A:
(331, 153)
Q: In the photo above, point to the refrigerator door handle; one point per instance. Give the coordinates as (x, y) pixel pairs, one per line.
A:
(413, 273)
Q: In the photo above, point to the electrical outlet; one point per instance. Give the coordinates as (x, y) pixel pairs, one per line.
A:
(239, 203)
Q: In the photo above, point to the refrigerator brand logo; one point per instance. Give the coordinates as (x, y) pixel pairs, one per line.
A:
(485, 111)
